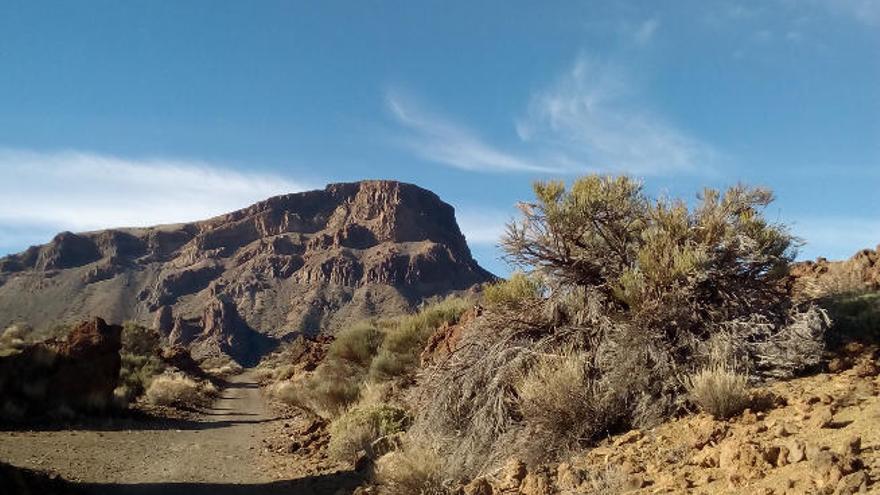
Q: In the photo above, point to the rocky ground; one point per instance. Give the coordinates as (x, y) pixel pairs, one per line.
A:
(814, 435)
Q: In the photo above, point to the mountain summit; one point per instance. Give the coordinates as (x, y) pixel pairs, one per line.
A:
(302, 263)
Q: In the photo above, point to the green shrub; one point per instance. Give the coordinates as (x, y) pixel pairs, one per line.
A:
(855, 317)
(634, 285)
(404, 341)
(358, 428)
(514, 292)
(356, 344)
(140, 362)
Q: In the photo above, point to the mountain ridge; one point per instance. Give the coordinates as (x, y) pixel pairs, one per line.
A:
(299, 263)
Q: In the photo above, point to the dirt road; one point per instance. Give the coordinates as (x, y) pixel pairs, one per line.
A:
(219, 454)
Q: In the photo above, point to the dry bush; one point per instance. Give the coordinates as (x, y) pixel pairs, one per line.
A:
(178, 390)
(411, 471)
(318, 392)
(719, 391)
(356, 429)
(561, 404)
(636, 288)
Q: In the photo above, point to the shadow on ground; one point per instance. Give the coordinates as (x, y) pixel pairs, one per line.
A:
(328, 484)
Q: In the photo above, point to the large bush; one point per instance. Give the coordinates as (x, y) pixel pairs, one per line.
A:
(638, 289)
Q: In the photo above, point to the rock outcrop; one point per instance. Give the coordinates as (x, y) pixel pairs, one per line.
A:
(298, 264)
(77, 373)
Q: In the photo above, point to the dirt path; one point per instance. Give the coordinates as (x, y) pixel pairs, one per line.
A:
(220, 454)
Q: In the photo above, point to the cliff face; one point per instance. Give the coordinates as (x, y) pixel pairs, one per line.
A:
(300, 263)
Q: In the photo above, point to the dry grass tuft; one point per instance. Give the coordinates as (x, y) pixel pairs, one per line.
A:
(178, 390)
(358, 428)
(411, 471)
(719, 391)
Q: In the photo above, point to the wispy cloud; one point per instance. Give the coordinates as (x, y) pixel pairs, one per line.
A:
(593, 115)
(645, 31)
(590, 118)
(74, 190)
(437, 139)
(863, 11)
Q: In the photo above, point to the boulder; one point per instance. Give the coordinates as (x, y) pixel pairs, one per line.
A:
(78, 373)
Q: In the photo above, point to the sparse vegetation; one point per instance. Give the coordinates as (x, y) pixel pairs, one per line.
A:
(140, 362)
(364, 353)
(514, 292)
(719, 391)
(181, 391)
(412, 471)
(358, 428)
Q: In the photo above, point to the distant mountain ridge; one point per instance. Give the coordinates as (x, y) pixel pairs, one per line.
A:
(306, 262)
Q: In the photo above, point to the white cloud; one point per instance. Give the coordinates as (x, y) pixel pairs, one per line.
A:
(73, 190)
(439, 140)
(592, 115)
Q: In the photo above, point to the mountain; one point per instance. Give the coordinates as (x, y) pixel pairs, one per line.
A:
(303, 263)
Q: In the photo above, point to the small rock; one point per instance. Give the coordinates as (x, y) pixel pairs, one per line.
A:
(479, 486)
(535, 484)
(851, 446)
(748, 417)
(567, 477)
(512, 474)
(796, 451)
(628, 437)
(850, 484)
(822, 418)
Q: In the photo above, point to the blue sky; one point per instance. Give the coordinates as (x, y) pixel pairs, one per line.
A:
(140, 112)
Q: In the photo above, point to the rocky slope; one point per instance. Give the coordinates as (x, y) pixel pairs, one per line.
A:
(812, 435)
(301, 263)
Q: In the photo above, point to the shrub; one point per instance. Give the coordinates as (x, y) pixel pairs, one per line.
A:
(136, 374)
(558, 399)
(514, 292)
(404, 341)
(356, 344)
(140, 362)
(411, 471)
(719, 391)
(855, 317)
(137, 339)
(358, 428)
(326, 392)
(178, 390)
(633, 286)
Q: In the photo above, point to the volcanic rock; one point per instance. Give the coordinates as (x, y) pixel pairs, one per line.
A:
(79, 372)
(298, 264)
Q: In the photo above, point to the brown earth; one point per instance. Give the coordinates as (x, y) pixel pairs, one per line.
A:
(812, 435)
(303, 263)
(221, 452)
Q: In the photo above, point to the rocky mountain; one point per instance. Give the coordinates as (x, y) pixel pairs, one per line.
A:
(303, 263)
